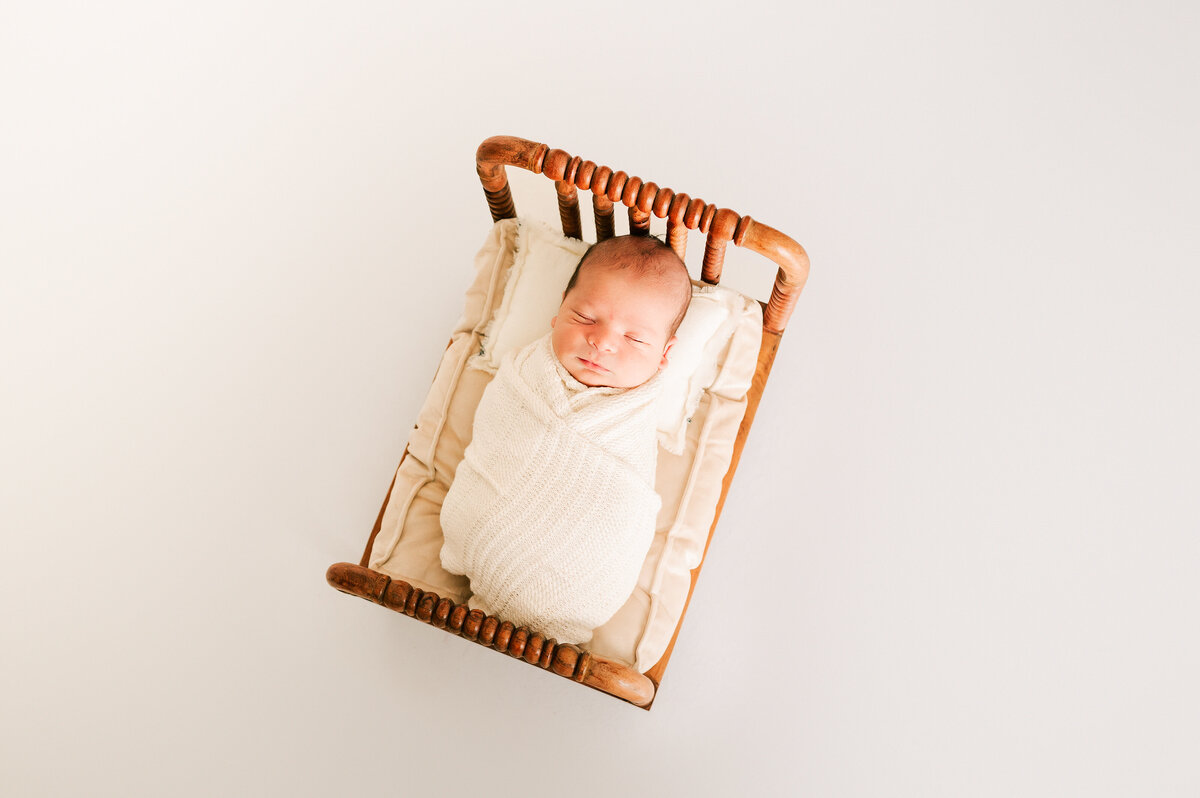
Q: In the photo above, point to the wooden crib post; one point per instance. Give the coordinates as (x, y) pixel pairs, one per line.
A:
(499, 195)
(490, 159)
(792, 273)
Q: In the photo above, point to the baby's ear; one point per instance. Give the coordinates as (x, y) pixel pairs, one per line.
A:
(552, 320)
(667, 348)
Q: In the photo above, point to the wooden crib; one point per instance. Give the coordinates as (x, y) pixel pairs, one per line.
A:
(642, 199)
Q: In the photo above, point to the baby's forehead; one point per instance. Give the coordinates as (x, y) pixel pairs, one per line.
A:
(641, 301)
(603, 276)
(614, 272)
(653, 271)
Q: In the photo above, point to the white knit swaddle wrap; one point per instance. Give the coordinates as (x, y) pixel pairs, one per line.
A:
(552, 509)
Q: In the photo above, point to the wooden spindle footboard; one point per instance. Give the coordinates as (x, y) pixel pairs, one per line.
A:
(564, 659)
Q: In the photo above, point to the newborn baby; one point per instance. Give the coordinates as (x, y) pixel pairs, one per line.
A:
(552, 509)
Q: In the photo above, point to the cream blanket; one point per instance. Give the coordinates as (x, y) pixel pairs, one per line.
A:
(553, 508)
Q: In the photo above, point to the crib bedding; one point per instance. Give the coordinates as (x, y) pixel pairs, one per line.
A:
(696, 448)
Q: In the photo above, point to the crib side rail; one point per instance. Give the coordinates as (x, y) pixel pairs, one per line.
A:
(643, 198)
(564, 659)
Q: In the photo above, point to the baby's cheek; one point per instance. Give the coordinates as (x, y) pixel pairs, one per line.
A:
(556, 343)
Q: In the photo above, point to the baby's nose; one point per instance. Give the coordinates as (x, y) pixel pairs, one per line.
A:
(603, 339)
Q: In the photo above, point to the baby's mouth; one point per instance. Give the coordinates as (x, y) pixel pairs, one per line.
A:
(591, 365)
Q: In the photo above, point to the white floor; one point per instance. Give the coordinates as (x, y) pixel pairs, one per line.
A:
(960, 557)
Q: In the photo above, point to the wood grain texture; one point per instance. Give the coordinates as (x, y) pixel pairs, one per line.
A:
(568, 209)
(602, 212)
(677, 237)
(720, 233)
(491, 158)
(566, 660)
(639, 223)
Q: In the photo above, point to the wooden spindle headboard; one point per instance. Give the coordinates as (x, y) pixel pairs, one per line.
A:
(682, 213)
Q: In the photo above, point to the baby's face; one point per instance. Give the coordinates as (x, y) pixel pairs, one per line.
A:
(613, 328)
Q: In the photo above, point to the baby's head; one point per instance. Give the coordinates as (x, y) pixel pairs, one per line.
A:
(619, 314)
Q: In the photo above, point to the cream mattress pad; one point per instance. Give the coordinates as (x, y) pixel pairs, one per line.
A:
(689, 482)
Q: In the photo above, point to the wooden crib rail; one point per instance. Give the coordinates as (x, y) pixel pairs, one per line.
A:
(564, 659)
(643, 198)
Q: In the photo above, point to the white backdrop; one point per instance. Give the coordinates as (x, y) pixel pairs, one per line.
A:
(960, 556)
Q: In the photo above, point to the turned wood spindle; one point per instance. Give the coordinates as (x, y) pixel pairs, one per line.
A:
(458, 617)
(441, 613)
(583, 667)
(425, 608)
(639, 222)
(518, 641)
(602, 206)
(503, 635)
(792, 273)
(640, 210)
(495, 188)
(602, 210)
(533, 648)
(396, 596)
(721, 228)
(547, 656)
(616, 186)
(780, 305)
(565, 660)
(677, 230)
(473, 624)
(677, 236)
(568, 209)
(487, 631)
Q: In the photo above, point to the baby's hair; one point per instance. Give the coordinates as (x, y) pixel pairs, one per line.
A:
(645, 255)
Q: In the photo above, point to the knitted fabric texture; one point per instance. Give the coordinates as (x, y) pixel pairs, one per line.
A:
(553, 508)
